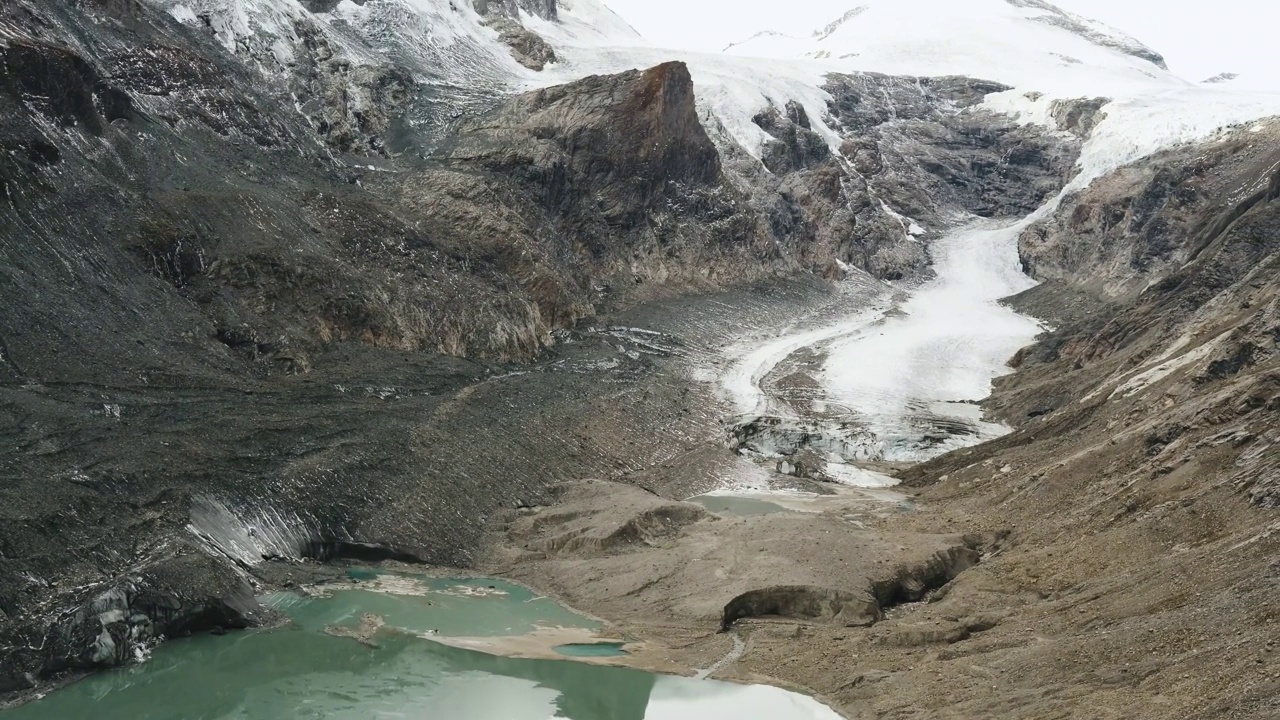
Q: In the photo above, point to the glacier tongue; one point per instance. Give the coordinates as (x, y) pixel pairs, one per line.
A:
(915, 379)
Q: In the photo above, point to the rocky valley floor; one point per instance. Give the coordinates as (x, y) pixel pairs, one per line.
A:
(1066, 568)
(1107, 557)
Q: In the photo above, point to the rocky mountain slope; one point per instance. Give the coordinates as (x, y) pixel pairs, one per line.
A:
(1139, 489)
(1171, 261)
(346, 279)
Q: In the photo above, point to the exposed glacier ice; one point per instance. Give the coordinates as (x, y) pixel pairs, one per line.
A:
(752, 360)
(909, 375)
(916, 380)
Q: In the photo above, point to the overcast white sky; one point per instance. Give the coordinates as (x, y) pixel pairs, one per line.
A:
(1199, 38)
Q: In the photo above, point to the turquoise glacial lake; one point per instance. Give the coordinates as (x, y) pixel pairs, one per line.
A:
(300, 671)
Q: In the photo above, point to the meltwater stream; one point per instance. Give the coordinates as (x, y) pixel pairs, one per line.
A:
(305, 670)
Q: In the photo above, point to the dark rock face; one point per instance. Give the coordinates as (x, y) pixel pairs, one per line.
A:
(528, 48)
(625, 143)
(602, 176)
(931, 151)
(914, 153)
(796, 145)
(545, 9)
(174, 598)
(62, 87)
(1080, 116)
(866, 101)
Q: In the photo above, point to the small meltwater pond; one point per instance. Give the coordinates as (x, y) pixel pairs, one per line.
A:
(740, 505)
(592, 649)
(378, 648)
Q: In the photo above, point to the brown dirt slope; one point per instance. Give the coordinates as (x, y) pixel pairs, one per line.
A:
(1142, 485)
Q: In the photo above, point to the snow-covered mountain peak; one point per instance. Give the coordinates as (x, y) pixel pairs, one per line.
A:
(1026, 43)
(830, 29)
(455, 48)
(1095, 32)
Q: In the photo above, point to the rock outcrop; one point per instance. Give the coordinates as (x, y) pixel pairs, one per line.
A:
(1092, 31)
(545, 9)
(527, 47)
(911, 155)
(930, 150)
(795, 145)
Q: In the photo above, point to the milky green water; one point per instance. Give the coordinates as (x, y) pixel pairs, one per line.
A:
(448, 606)
(598, 649)
(301, 672)
(737, 505)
